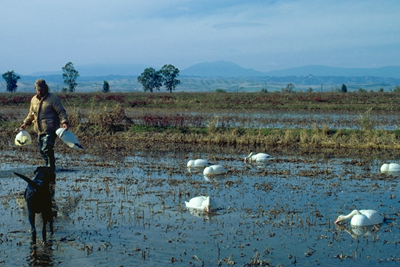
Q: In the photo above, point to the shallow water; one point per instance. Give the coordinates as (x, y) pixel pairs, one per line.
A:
(286, 119)
(125, 211)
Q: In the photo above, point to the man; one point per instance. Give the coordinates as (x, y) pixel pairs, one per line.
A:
(46, 112)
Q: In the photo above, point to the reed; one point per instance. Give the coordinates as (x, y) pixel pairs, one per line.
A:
(366, 122)
(104, 126)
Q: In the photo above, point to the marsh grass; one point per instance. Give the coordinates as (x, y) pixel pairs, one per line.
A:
(108, 121)
(366, 122)
(113, 126)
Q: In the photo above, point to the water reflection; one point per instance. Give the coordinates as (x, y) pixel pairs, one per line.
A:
(215, 178)
(357, 232)
(195, 170)
(41, 255)
(201, 214)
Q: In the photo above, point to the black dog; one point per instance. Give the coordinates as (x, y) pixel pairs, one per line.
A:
(38, 197)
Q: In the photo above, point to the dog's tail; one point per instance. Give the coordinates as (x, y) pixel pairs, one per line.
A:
(29, 181)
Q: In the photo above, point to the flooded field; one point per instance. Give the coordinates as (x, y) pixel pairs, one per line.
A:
(287, 119)
(249, 119)
(126, 210)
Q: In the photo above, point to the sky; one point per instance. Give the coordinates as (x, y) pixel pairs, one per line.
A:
(265, 35)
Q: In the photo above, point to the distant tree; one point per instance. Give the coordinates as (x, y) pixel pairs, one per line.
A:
(344, 88)
(169, 73)
(70, 75)
(289, 88)
(106, 87)
(310, 90)
(361, 90)
(264, 90)
(150, 79)
(396, 89)
(381, 90)
(219, 90)
(11, 79)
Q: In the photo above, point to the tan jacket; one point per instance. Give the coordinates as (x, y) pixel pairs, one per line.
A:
(46, 114)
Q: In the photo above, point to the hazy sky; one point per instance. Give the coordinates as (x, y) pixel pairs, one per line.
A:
(44, 35)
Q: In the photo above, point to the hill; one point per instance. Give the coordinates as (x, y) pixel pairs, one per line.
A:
(219, 69)
(316, 70)
(209, 76)
(229, 69)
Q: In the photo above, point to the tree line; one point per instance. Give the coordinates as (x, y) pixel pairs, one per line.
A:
(150, 79)
(69, 75)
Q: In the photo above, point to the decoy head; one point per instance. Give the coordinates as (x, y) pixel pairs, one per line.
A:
(339, 219)
(248, 157)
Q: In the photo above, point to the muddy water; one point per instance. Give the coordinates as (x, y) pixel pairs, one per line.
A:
(126, 211)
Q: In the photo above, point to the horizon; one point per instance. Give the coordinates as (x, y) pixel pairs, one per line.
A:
(257, 34)
(57, 72)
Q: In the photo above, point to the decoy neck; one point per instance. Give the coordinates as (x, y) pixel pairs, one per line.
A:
(248, 157)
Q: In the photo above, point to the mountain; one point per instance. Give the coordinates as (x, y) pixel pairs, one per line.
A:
(102, 70)
(316, 70)
(228, 69)
(219, 69)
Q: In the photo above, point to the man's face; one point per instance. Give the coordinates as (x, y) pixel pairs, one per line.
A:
(40, 92)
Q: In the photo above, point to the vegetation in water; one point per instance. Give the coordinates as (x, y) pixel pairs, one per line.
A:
(165, 121)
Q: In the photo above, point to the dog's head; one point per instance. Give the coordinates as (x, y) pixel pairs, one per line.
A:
(45, 174)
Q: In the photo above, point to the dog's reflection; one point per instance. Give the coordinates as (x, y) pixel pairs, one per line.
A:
(41, 255)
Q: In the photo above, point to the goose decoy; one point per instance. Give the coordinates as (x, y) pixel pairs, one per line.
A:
(215, 170)
(68, 138)
(252, 157)
(390, 167)
(201, 203)
(23, 138)
(193, 163)
(362, 217)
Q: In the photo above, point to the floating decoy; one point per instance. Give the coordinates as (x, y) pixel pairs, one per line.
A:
(202, 203)
(390, 167)
(68, 138)
(362, 217)
(252, 157)
(215, 170)
(193, 163)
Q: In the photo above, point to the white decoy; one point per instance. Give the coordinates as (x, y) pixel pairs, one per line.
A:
(252, 157)
(362, 217)
(194, 163)
(23, 138)
(215, 170)
(201, 203)
(68, 138)
(391, 167)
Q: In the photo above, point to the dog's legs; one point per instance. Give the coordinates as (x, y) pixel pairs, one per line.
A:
(54, 207)
(51, 226)
(44, 227)
(31, 217)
